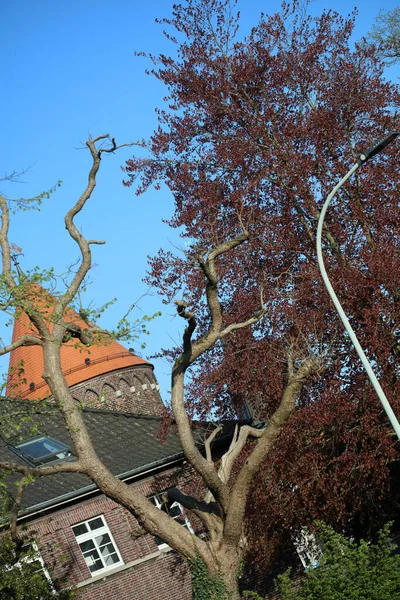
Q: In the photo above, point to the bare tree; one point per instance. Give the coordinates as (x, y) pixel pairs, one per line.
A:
(222, 510)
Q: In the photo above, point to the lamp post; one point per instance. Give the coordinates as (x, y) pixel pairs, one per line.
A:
(364, 157)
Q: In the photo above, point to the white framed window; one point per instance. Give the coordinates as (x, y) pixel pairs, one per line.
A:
(174, 510)
(308, 548)
(31, 556)
(97, 545)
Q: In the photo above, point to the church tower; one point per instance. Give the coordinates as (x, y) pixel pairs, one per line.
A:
(101, 376)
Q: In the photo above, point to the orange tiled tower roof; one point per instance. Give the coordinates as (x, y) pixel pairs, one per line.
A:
(30, 385)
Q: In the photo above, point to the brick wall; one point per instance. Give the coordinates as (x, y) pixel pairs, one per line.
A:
(131, 389)
(163, 578)
(153, 576)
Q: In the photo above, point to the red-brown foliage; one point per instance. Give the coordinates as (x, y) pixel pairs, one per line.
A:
(256, 133)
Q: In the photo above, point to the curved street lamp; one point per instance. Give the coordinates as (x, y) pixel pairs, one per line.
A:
(372, 151)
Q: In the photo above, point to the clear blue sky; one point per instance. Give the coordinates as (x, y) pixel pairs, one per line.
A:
(69, 69)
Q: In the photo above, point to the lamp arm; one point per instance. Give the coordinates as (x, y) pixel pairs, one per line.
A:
(345, 321)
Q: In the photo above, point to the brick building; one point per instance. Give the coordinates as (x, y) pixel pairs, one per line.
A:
(84, 538)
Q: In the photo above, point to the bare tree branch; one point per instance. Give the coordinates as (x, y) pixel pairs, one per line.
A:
(236, 326)
(84, 245)
(4, 244)
(75, 466)
(237, 444)
(209, 441)
(25, 340)
(210, 271)
(191, 351)
(16, 538)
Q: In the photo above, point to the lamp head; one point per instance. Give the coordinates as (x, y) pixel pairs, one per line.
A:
(376, 148)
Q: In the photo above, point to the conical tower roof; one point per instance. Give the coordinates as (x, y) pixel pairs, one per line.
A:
(78, 363)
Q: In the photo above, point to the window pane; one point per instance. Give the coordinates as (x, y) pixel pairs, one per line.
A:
(159, 541)
(106, 550)
(111, 559)
(52, 457)
(79, 529)
(175, 511)
(92, 558)
(41, 447)
(85, 546)
(103, 539)
(95, 566)
(98, 549)
(96, 523)
(52, 446)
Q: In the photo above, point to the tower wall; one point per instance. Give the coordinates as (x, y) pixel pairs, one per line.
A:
(131, 389)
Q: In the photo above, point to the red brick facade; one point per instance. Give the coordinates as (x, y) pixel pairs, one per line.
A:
(147, 572)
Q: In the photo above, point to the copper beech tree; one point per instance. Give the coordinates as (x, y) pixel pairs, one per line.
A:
(254, 134)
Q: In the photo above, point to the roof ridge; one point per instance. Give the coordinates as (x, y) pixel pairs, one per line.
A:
(38, 404)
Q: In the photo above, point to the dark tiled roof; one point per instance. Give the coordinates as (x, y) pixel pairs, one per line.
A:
(126, 443)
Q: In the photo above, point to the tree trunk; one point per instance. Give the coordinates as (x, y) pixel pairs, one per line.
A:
(229, 558)
(230, 577)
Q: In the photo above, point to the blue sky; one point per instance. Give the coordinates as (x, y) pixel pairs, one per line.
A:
(68, 70)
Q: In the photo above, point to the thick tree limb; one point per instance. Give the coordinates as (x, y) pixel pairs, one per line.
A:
(191, 351)
(63, 467)
(205, 469)
(16, 538)
(24, 340)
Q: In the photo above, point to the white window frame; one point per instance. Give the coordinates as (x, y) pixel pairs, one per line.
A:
(91, 535)
(31, 559)
(159, 502)
(308, 548)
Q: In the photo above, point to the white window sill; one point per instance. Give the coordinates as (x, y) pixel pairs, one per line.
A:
(133, 563)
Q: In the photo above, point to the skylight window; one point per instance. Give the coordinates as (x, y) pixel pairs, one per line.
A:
(42, 450)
